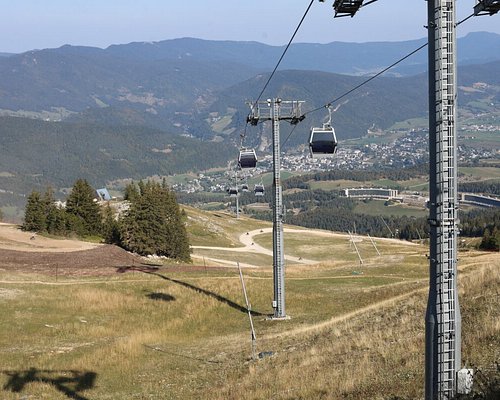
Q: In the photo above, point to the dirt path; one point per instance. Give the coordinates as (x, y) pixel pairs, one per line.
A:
(247, 239)
(249, 246)
(371, 307)
(12, 238)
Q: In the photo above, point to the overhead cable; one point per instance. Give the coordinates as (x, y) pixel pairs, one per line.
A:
(379, 73)
(284, 52)
(368, 80)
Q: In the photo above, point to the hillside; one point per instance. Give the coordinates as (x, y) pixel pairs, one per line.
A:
(335, 57)
(171, 84)
(109, 324)
(379, 104)
(36, 153)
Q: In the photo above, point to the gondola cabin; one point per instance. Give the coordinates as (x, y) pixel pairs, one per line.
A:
(233, 192)
(258, 190)
(247, 158)
(244, 187)
(322, 142)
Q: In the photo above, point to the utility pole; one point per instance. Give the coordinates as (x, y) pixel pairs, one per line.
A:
(443, 323)
(276, 110)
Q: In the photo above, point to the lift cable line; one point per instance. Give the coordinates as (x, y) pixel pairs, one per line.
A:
(329, 104)
(378, 73)
(368, 80)
(284, 52)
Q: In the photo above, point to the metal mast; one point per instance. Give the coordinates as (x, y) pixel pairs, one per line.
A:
(277, 110)
(443, 320)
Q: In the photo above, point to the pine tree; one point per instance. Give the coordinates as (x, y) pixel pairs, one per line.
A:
(154, 225)
(111, 227)
(81, 204)
(131, 192)
(34, 214)
(55, 219)
(490, 240)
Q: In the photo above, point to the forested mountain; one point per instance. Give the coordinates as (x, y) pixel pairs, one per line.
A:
(187, 86)
(74, 78)
(131, 111)
(117, 142)
(36, 153)
(336, 57)
(179, 76)
(379, 104)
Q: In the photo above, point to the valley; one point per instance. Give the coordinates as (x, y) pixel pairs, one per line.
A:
(141, 128)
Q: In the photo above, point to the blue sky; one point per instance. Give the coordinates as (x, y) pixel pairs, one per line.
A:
(37, 24)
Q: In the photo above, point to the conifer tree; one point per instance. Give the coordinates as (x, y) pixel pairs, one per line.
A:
(55, 219)
(131, 192)
(34, 214)
(81, 204)
(153, 224)
(111, 227)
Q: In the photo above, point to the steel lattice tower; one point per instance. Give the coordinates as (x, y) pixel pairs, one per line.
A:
(276, 110)
(443, 320)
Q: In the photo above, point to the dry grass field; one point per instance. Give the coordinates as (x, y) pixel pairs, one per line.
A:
(117, 328)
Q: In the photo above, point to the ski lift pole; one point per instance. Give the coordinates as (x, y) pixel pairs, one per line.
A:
(237, 207)
(276, 110)
(373, 243)
(249, 310)
(356, 247)
(387, 226)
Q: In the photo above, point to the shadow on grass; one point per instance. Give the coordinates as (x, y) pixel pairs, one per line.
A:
(160, 296)
(218, 297)
(68, 382)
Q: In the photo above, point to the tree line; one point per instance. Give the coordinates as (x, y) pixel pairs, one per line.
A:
(319, 210)
(153, 223)
(480, 187)
(301, 182)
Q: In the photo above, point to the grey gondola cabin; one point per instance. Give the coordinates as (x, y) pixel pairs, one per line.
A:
(247, 158)
(322, 142)
(258, 190)
(233, 192)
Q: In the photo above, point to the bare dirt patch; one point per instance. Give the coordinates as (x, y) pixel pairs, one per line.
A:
(12, 238)
(103, 260)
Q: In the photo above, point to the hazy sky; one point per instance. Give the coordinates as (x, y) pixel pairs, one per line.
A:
(37, 24)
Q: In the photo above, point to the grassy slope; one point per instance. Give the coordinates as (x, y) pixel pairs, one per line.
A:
(356, 331)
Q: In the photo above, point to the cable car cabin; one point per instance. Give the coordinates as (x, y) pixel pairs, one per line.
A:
(259, 190)
(244, 187)
(233, 192)
(322, 142)
(247, 158)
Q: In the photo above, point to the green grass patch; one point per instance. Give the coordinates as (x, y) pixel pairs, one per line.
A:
(171, 333)
(378, 207)
(480, 173)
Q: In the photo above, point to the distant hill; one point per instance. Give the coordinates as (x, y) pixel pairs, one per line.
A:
(337, 57)
(6, 54)
(173, 78)
(36, 153)
(76, 78)
(377, 105)
(104, 144)
(141, 109)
